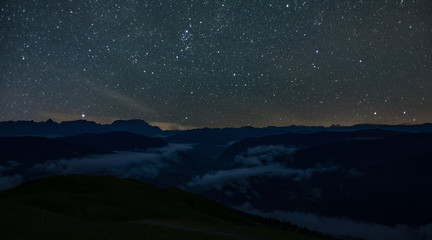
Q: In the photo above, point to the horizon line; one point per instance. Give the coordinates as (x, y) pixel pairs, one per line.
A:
(165, 126)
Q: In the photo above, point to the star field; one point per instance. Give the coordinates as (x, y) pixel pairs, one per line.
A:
(217, 63)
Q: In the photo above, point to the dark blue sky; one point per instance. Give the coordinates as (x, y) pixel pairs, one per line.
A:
(217, 63)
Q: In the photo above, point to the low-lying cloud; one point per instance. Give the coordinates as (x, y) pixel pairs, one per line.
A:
(255, 161)
(9, 181)
(122, 164)
(217, 179)
(262, 155)
(345, 227)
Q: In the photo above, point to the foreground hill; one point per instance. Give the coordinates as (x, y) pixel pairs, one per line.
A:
(84, 207)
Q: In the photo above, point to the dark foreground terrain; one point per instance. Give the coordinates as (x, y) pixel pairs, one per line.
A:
(102, 207)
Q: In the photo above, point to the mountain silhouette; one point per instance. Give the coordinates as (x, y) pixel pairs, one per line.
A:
(72, 128)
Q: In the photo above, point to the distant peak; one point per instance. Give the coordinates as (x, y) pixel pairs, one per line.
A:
(130, 121)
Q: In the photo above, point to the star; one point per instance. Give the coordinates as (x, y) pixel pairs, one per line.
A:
(143, 60)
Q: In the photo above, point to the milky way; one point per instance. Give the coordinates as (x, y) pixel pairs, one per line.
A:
(217, 63)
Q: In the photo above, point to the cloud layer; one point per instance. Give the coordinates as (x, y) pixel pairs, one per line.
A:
(122, 164)
(345, 227)
(9, 181)
(218, 179)
(256, 161)
(262, 155)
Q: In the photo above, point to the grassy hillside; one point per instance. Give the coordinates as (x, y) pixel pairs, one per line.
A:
(87, 207)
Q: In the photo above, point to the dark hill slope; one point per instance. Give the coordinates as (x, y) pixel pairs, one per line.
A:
(84, 207)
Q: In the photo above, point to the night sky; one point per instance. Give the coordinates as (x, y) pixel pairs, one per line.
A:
(217, 63)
